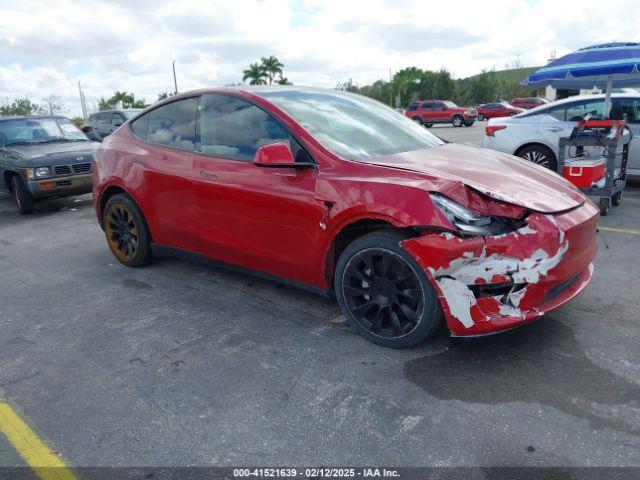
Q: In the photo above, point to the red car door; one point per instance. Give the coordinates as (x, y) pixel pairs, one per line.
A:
(262, 218)
(426, 112)
(440, 112)
(167, 161)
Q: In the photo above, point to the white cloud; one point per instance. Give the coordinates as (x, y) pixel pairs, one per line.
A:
(47, 46)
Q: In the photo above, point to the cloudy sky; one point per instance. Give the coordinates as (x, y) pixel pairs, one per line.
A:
(46, 47)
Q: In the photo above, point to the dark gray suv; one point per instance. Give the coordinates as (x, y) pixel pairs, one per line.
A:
(43, 157)
(105, 122)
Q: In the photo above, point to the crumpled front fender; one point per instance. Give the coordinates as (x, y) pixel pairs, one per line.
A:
(492, 283)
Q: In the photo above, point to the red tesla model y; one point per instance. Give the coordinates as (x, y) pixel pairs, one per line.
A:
(341, 194)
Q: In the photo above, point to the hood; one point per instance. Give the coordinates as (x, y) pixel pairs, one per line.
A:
(498, 175)
(50, 154)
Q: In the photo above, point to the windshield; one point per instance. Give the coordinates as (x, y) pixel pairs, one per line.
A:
(352, 126)
(19, 131)
(450, 104)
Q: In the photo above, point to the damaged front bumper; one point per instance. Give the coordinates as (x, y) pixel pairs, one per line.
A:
(493, 283)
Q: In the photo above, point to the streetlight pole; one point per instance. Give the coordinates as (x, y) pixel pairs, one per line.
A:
(175, 82)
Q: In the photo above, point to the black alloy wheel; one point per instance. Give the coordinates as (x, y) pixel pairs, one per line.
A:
(384, 293)
(126, 231)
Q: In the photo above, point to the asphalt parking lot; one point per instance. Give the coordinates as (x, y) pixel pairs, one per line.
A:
(180, 364)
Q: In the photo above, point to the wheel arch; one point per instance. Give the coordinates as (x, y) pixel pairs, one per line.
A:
(110, 191)
(7, 175)
(349, 232)
(534, 144)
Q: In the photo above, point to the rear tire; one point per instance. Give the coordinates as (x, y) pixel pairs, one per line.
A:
(384, 293)
(457, 121)
(616, 200)
(24, 200)
(603, 204)
(126, 231)
(418, 120)
(428, 125)
(541, 155)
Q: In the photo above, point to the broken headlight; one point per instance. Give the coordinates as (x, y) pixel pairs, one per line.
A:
(468, 222)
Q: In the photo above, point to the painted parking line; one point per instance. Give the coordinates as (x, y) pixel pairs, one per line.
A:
(45, 463)
(619, 230)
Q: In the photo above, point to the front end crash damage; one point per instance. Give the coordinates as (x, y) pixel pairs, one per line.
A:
(492, 283)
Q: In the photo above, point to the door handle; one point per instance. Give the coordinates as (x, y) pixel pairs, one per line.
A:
(207, 175)
(554, 129)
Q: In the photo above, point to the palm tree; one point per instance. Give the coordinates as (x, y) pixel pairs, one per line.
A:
(272, 66)
(283, 80)
(255, 73)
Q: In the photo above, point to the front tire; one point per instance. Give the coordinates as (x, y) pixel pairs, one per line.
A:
(383, 292)
(126, 231)
(457, 121)
(540, 155)
(24, 200)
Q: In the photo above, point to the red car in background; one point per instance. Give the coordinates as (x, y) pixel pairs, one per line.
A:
(429, 112)
(497, 109)
(338, 193)
(529, 102)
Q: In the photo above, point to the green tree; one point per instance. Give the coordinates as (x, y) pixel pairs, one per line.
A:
(162, 96)
(128, 100)
(255, 74)
(347, 86)
(272, 66)
(22, 107)
(283, 80)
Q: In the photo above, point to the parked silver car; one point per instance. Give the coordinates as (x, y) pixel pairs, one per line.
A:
(534, 134)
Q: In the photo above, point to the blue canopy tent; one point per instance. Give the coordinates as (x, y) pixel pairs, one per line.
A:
(602, 66)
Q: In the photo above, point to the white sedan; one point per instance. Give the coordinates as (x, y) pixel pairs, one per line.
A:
(534, 134)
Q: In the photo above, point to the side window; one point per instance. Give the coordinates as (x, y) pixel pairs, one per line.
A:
(234, 128)
(557, 112)
(427, 105)
(139, 127)
(117, 119)
(413, 106)
(92, 118)
(103, 118)
(577, 111)
(627, 109)
(438, 106)
(174, 124)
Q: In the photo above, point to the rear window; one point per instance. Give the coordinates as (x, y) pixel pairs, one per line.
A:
(174, 124)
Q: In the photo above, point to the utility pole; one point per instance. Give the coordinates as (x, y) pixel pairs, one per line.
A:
(175, 82)
(82, 101)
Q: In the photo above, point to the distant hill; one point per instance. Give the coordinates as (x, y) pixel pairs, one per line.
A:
(514, 75)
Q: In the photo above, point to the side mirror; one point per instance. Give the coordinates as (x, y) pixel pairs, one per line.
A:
(278, 155)
(117, 122)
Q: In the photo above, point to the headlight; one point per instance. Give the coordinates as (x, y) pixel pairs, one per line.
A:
(39, 172)
(468, 222)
